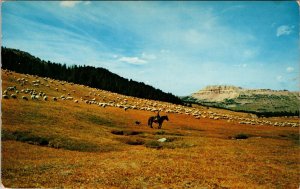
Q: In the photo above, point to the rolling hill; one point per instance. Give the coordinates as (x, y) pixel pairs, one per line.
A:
(260, 101)
(57, 134)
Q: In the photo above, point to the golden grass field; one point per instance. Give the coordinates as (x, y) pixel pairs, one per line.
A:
(62, 144)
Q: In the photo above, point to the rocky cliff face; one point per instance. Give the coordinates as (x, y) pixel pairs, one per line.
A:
(217, 93)
(237, 98)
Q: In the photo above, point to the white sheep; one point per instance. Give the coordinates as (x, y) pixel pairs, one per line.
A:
(32, 97)
(54, 99)
(45, 98)
(24, 97)
(13, 96)
(5, 96)
(11, 88)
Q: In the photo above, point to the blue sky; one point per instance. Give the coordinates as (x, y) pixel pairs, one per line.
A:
(178, 47)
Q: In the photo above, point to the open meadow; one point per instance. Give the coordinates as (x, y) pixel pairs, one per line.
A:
(90, 138)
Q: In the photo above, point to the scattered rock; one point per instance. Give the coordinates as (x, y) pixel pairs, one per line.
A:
(162, 140)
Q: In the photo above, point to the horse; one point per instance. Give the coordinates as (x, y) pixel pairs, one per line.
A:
(159, 121)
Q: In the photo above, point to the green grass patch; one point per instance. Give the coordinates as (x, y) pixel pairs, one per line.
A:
(131, 140)
(153, 144)
(162, 132)
(94, 119)
(291, 136)
(55, 141)
(177, 144)
(170, 143)
(33, 117)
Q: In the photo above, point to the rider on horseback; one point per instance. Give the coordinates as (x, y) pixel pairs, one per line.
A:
(157, 117)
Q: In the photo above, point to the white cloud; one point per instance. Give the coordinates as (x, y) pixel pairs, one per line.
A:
(69, 4)
(148, 56)
(249, 53)
(279, 78)
(164, 51)
(133, 60)
(244, 65)
(241, 65)
(284, 30)
(289, 69)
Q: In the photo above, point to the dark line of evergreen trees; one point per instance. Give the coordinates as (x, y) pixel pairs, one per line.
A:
(22, 62)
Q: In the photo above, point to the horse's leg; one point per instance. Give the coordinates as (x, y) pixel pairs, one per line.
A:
(150, 123)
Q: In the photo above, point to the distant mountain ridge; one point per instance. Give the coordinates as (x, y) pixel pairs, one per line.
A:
(253, 100)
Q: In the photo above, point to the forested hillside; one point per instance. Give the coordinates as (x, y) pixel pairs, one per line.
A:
(23, 62)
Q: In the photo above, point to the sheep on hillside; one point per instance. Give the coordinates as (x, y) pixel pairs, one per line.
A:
(11, 88)
(13, 96)
(24, 97)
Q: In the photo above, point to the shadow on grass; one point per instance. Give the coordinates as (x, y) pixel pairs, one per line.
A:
(94, 119)
(127, 133)
(241, 136)
(55, 142)
(295, 137)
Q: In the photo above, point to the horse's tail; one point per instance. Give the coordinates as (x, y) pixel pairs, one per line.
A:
(149, 121)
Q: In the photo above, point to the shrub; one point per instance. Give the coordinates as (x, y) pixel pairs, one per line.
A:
(117, 132)
(153, 144)
(160, 132)
(132, 132)
(171, 139)
(241, 136)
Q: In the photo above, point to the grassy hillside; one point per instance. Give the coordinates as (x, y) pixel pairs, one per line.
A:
(95, 142)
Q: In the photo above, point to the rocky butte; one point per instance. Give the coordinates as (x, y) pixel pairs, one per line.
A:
(237, 98)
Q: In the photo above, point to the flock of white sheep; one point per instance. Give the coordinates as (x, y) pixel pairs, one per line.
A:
(103, 99)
